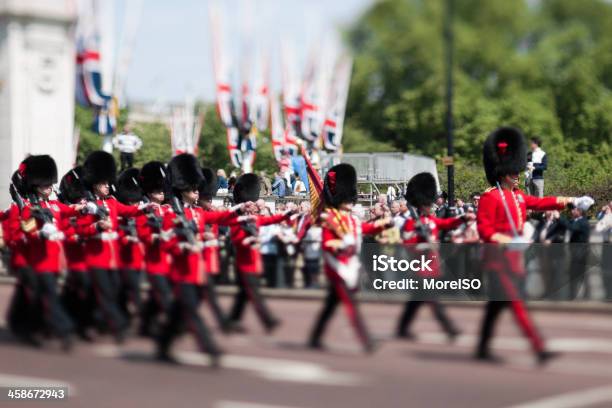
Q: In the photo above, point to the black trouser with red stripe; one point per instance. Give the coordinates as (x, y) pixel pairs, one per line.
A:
(54, 316)
(78, 299)
(184, 314)
(105, 291)
(158, 303)
(411, 309)
(336, 293)
(248, 285)
(519, 311)
(210, 294)
(23, 314)
(129, 292)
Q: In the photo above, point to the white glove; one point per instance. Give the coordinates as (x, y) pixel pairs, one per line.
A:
(166, 235)
(348, 240)
(584, 202)
(237, 207)
(91, 208)
(142, 205)
(48, 230)
(58, 236)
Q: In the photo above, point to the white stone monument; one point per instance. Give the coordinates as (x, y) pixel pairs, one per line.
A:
(37, 79)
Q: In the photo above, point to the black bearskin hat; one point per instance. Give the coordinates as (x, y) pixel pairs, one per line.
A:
(19, 183)
(99, 166)
(71, 188)
(504, 152)
(208, 187)
(38, 171)
(152, 176)
(184, 172)
(340, 185)
(247, 188)
(127, 188)
(421, 190)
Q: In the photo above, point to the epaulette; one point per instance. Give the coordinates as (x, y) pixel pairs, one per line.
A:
(490, 189)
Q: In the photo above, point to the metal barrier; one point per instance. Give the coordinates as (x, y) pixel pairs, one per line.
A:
(383, 168)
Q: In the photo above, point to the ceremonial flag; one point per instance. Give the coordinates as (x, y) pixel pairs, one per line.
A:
(315, 186)
(334, 119)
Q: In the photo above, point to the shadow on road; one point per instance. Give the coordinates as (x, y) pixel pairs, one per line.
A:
(446, 357)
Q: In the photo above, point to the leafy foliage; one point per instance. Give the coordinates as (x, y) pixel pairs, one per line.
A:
(544, 67)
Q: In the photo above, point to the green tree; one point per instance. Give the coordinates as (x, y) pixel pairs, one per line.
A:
(544, 67)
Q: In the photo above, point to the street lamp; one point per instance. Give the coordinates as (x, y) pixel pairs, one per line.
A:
(448, 41)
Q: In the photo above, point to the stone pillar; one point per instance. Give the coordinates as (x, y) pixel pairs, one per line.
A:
(37, 79)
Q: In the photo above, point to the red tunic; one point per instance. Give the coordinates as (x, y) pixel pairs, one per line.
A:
(248, 258)
(492, 218)
(15, 238)
(211, 250)
(73, 246)
(494, 225)
(341, 242)
(46, 255)
(187, 266)
(156, 256)
(101, 249)
(434, 225)
(131, 254)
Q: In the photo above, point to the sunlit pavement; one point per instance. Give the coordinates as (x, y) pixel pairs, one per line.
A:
(277, 370)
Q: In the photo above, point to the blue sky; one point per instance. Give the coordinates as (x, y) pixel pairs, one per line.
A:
(172, 53)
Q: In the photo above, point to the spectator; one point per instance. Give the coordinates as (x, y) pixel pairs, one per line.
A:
(266, 185)
(279, 186)
(311, 245)
(262, 208)
(127, 143)
(222, 185)
(391, 194)
(440, 205)
(460, 207)
(604, 223)
(399, 212)
(537, 166)
(604, 226)
(269, 250)
(299, 188)
(475, 200)
(230, 184)
(579, 251)
(467, 233)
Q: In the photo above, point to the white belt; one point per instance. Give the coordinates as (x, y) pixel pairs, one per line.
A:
(211, 243)
(107, 236)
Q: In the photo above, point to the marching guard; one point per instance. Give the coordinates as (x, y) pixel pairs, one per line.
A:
(187, 221)
(502, 213)
(210, 252)
(42, 223)
(99, 229)
(22, 315)
(131, 250)
(249, 266)
(152, 180)
(422, 228)
(77, 296)
(341, 244)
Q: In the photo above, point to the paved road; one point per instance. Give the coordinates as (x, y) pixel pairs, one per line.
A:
(277, 371)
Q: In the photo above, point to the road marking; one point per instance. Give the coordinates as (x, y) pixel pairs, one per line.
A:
(564, 345)
(241, 404)
(575, 399)
(272, 369)
(10, 380)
